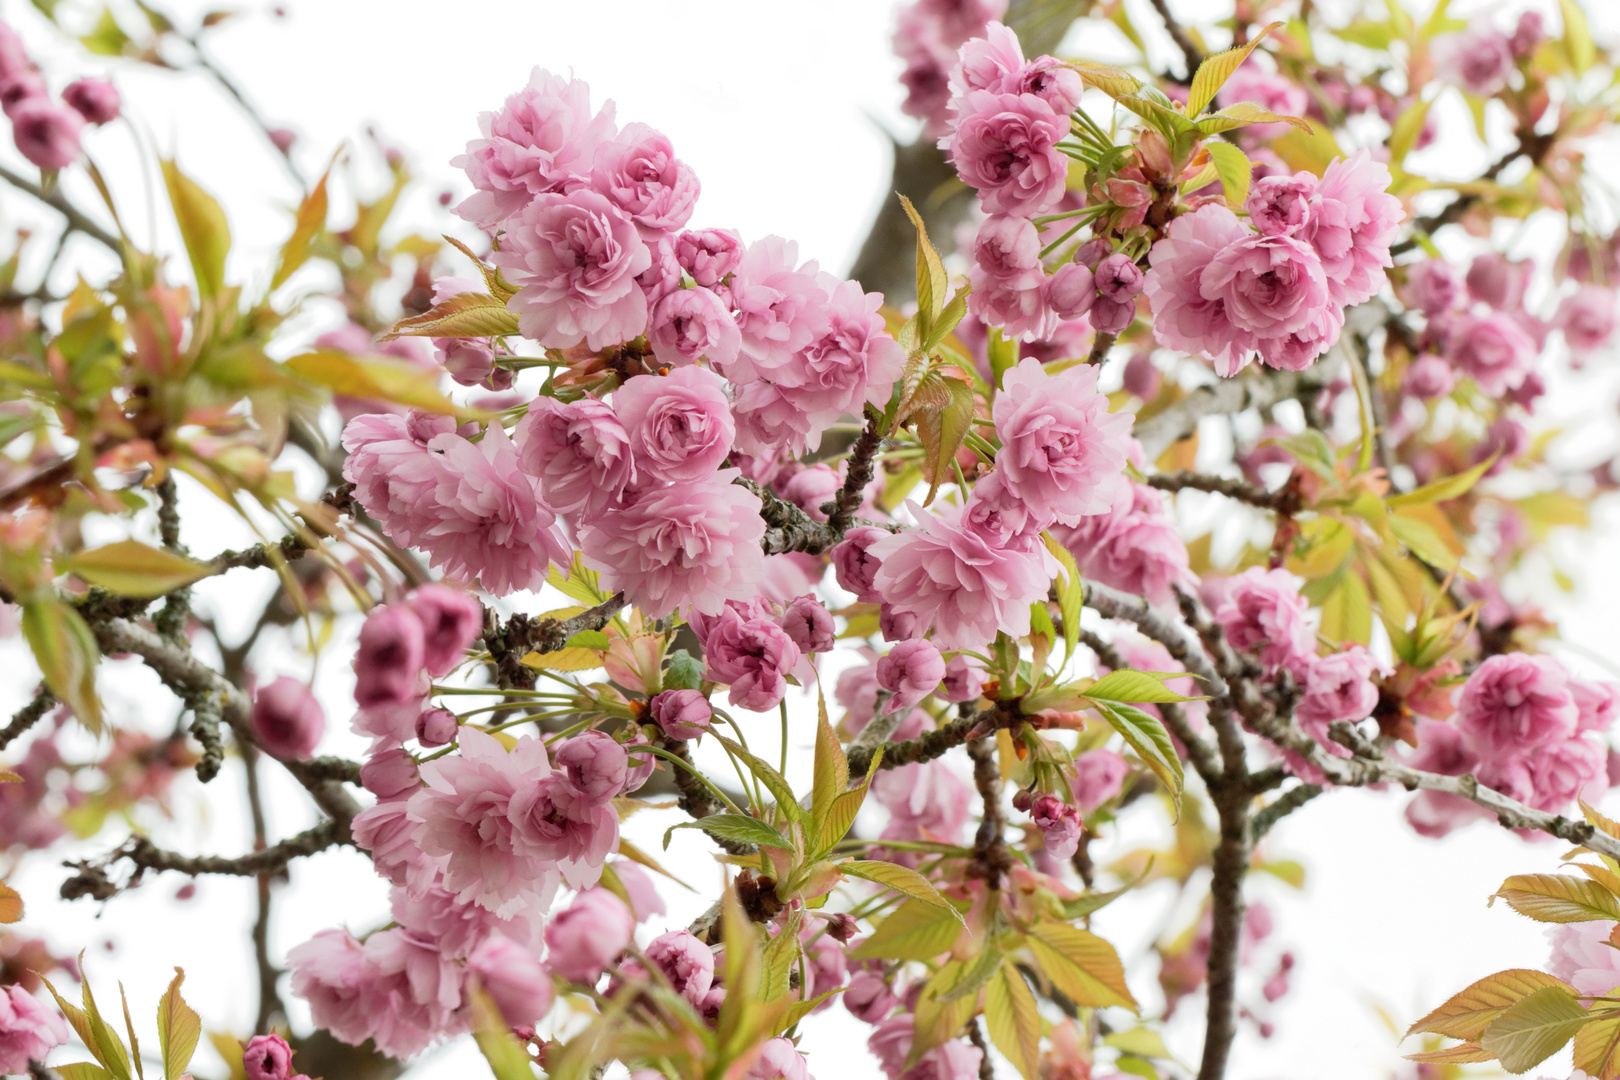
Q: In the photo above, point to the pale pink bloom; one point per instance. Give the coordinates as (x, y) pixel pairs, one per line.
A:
(962, 681)
(574, 259)
(1432, 286)
(1564, 770)
(514, 979)
(595, 763)
(1492, 349)
(1267, 89)
(329, 972)
(470, 362)
(387, 832)
(639, 172)
(959, 583)
(644, 899)
(1270, 286)
(809, 488)
(1497, 282)
(1478, 59)
(96, 100)
(1598, 702)
(556, 824)
(926, 801)
(1134, 546)
(709, 255)
(990, 61)
(1587, 319)
(1428, 377)
(999, 516)
(911, 671)
(28, 1029)
(411, 993)
(1529, 32)
(951, 1060)
(578, 450)
(1338, 686)
(751, 654)
(1062, 452)
(13, 54)
(451, 621)
(1353, 221)
(854, 361)
(267, 1057)
(287, 720)
(491, 522)
(689, 325)
(868, 996)
(1441, 749)
(781, 308)
(679, 425)
(46, 133)
(809, 624)
(686, 962)
(779, 1060)
(681, 714)
(1118, 278)
(1059, 823)
(543, 137)
(1005, 145)
(1183, 318)
(1054, 82)
(388, 662)
(929, 58)
(1514, 703)
(389, 772)
(467, 821)
(456, 929)
(1281, 205)
(855, 565)
(688, 546)
(585, 938)
(393, 471)
(768, 424)
(392, 722)
(1264, 614)
(1009, 286)
(663, 276)
(1099, 775)
(1582, 956)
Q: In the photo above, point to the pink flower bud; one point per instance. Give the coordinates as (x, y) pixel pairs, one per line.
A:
(1118, 278)
(283, 138)
(686, 962)
(287, 720)
(1493, 280)
(868, 997)
(25, 84)
(267, 1057)
(450, 622)
(96, 100)
(709, 255)
(778, 1060)
(898, 625)
(389, 661)
(389, 773)
(641, 765)
(1142, 377)
(682, 714)
(46, 133)
(1280, 205)
(1093, 252)
(1527, 35)
(809, 625)
(1072, 291)
(436, 727)
(588, 935)
(961, 682)
(1432, 286)
(595, 764)
(1109, 317)
(1429, 377)
(468, 360)
(510, 974)
(912, 669)
(855, 566)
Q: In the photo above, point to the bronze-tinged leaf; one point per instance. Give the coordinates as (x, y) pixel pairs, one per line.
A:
(203, 227)
(901, 879)
(311, 219)
(1597, 1046)
(1467, 1053)
(1467, 1013)
(932, 283)
(1244, 113)
(830, 778)
(465, 315)
(1013, 1019)
(67, 654)
(11, 904)
(1082, 965)
(1559, 898)
(1215, 70)
(934, 1019)
(1534, 1029)
(373, 378)
(179, 1028)
(131, 568)
(942, 427)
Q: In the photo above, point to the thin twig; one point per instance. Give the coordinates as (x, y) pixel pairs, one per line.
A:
(857, 474)
(1285, 500)
(93, 880)
(1281, 807)
(27, 716)
(57, 201)
(991, 856)
(1191, 54)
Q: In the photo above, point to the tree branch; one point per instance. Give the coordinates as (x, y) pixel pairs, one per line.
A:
(1191, 54)
(1199, 752)
(1279, 808)
(93, 880)
(990, 854)
(76, 219)
(1284, 501)
(27, 716)
(1231, 864)
(857, 474)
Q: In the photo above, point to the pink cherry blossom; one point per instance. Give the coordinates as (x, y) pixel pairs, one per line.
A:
(46, 133)
(554, 823)
(1183, 317)
(1491, 349)
(586, 937)
(574, 259)
(1337, 687)
(1005, 145)
(514, 979)
(1432, 286)
(911, 671)
(456, 929)
(1514, 703)
(957, 582)
(388, 663)
(778, 1060)
(686, 962)
(1478, 59)
(1062, 451)
(1353, 222)
(1587, 319)
(852, 362)
(28, 1029)
(412, 993)
(1496, 281)
(638, 172)
(1267, 89)
(855, 565)
(1009, 287)
(709, 255)
(544, 136)
(1099, 775)
(751, 654)
(681, 714)
(595, 763)
(1582, 956)
(287, 720)
(267, 1057)
(1264, 614)
(1134, 546)
(393, 471)
(1428, 377)
(1597, 702)
(578, 450)
(688, 546)
(1561, 771)
(689, 325)
(679, 425)
(1281, 205)
(96, 100)
(781, 308)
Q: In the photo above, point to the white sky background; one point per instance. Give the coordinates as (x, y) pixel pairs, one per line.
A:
(780, 109)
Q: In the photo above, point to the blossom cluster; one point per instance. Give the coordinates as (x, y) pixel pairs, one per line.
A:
(46, 132)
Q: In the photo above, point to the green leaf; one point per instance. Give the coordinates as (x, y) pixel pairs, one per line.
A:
(1597, 1047)
(1244, 113)
(129, 1029)
(779, 788)
(737, 827)
(899, 878)
(913, 931)
(934, 1019)
(1136, 686)
(1466, 1053)
(1142, 1041)
(948, 319)
(830, 778)
(580, 584)
(1081, 964)
(1003, 355)
(107, 38)
(780, 955)
(1470, 1011)
(81, 1070)
(66, 653)
(1368, 34)
(684, 671)
(1146, 735)
(1578, 44)
(311, 219)
(1233, 167)
(1071, 594)
(507, 1058)
(465, 315)
(1407, 127)
(131, 568)
(203, 227)
(1215, 70)
(1423, 541)
(1559, 898)
(942, 427)
(109, 1048)
(374, 378)
(1534, 1029)
(932, 284)
(1117, 83)
(1449, 487)
(1013, 1019)
(841, 815)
